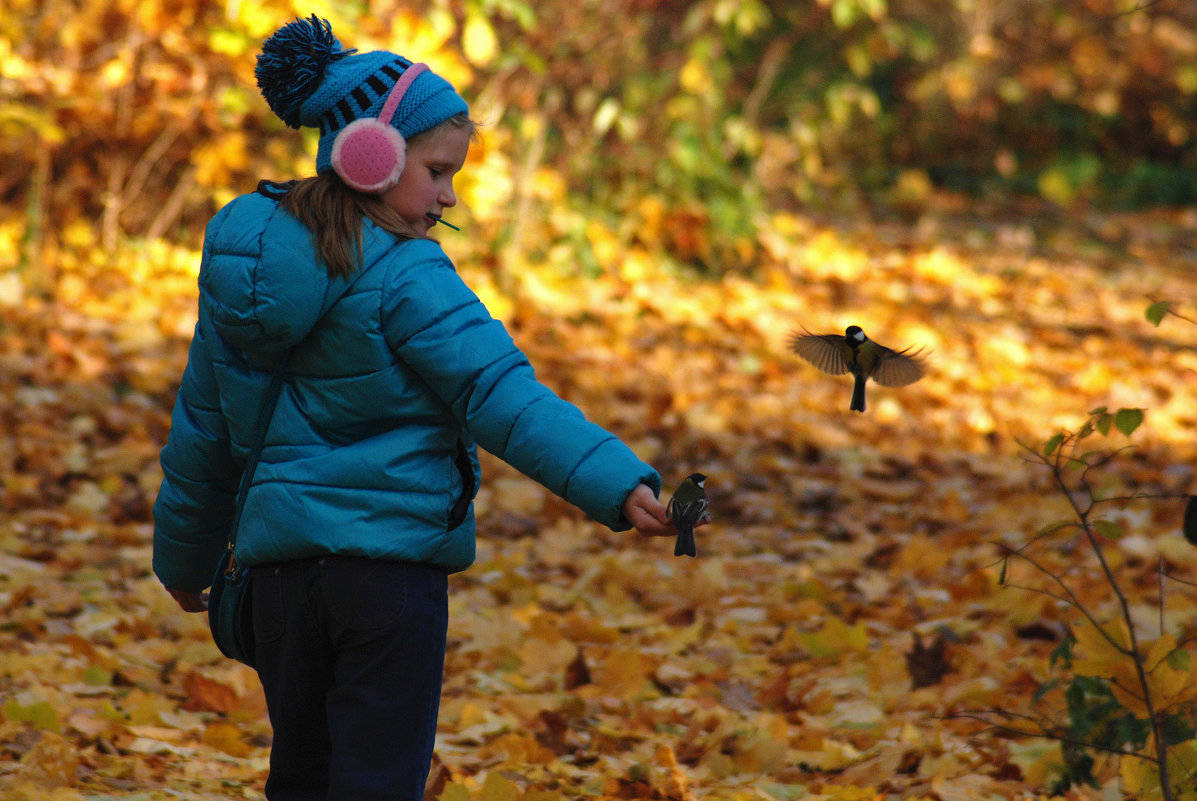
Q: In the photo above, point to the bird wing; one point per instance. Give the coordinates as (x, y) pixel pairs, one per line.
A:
(825, 351)
(687, 514)
(897, 368)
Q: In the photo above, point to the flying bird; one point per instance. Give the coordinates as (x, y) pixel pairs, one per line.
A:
(855, 353)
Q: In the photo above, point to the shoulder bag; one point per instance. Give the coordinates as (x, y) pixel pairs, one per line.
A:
(230, 615)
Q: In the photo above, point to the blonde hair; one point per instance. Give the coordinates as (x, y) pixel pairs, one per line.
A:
(334, 212)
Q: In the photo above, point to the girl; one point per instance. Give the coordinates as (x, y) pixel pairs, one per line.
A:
(361, 505)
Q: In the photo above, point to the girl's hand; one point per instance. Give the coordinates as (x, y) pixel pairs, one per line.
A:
(647, 514)
(190, 601)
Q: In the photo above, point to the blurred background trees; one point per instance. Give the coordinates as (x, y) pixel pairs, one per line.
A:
(662, 130)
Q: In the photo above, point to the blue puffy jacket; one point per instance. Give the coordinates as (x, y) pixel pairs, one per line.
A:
(397, 372)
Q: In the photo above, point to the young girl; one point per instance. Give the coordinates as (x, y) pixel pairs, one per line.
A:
(361, 504)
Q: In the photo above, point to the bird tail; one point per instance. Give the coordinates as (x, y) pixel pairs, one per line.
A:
(685, 545)
(858, 394)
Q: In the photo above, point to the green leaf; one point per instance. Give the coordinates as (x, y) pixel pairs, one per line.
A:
(96, 676)
(1050, 684)
(1098, 411)
(1108, 529)
(1127, 420)
(1002, 575)
(844, 13)
(1052, 528)
(1052, 444)
(1175, 729)
(41, 714)
(1085, 430)
(1062, 653)
(1103, 422)
(1178, 659)
(1156, 311)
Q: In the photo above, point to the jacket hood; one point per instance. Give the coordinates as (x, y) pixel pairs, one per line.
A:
(261, 284)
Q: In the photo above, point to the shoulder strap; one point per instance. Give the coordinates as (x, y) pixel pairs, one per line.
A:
(269, 401)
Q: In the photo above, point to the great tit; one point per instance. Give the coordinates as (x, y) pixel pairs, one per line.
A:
(686, 508)
(855, 353)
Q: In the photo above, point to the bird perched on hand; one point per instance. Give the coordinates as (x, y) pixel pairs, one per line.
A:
(855, 353)
(686, 508)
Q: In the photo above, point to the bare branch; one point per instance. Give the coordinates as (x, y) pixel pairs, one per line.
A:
(1059, 736)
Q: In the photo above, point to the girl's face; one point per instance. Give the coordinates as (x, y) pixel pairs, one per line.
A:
(426, 184)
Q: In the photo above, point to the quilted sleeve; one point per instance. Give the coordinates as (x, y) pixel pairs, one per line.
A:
(194, 507)
(437, 326)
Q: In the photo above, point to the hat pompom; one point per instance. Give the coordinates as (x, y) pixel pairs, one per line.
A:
(292, 63)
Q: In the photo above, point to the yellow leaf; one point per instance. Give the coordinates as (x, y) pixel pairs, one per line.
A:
(850, 793)
(1038, 759)
(114, 73)
(1139, 778)
(1169, 684)
(542, 795)
(696, 76)
(454, 792)
(541, 656)
(832, 755)
(1159, 651)
(215, 161)
(1099, 657)
(498, 788)
(227, 738)
(144, 708)
(518, 749)
(478, 40)
(53, 761)
(835, 637)
(1100, 652)
(423, 32)
(624, 673)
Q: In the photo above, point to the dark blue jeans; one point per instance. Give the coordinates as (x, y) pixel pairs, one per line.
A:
(351, 655)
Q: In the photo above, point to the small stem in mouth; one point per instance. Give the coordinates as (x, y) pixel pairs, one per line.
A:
(435, 218)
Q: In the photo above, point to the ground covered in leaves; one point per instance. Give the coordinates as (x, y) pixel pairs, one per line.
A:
(844, 618)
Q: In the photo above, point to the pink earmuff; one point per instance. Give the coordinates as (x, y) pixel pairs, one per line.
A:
(369, 153)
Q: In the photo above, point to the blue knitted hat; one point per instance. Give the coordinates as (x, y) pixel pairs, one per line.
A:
(310, 81)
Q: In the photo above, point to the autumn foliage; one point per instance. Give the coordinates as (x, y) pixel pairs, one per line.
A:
(848, 626)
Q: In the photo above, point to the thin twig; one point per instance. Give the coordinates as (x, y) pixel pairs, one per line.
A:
(1050, 735)
(1160, 579)
(1071, 599)
(1157, 736)
(1041, 535)
(1180, 580)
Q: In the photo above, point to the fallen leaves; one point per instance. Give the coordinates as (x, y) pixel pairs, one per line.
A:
(846, 607)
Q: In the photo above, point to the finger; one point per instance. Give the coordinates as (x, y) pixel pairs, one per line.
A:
(649, 526)
(654, 509)
(661, 514)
